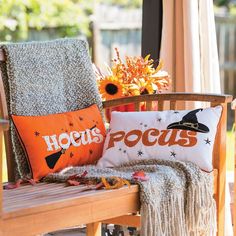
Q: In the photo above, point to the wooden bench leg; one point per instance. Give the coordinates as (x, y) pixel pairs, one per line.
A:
(94, 229)
(1, 233)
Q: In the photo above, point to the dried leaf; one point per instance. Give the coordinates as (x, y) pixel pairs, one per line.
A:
(99, 186)
(140, 175)
(116, 183)
(18, 183)
(73, 183)
(77, 176)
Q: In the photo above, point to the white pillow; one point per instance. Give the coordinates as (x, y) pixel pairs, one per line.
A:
(186, 135)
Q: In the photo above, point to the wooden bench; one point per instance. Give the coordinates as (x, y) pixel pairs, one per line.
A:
(31, 210)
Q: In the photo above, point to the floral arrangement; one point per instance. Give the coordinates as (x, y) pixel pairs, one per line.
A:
(135, 76)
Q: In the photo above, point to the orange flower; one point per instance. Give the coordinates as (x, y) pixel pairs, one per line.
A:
(134, 76)
(141, 86)
(110, 88)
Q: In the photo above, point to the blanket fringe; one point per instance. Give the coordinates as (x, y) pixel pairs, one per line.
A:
(164, 221)
(200, 211)
(177, 200)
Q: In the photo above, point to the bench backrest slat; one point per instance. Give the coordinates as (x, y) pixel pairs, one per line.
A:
(173, 105)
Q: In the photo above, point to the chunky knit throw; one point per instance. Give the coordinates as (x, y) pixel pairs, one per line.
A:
(177, 200)
(43, 78)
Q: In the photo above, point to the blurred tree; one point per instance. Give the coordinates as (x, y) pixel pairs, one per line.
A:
(70, 17)
(124, 3)
(66, 17)
(229, 5)
(221, 3)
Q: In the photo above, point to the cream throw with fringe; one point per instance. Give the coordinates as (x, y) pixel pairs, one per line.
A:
(177, 200)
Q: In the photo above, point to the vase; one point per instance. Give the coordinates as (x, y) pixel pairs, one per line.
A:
(123, 108)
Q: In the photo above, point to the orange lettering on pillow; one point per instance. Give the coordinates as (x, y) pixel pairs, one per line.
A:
(188, 138)
(131, 143)
(115, 137)
(150, 132)
(167, 137)
(164, 140)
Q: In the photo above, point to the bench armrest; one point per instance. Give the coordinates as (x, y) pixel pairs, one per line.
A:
(4, 125)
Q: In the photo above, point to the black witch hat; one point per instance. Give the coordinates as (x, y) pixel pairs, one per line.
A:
(190, 122)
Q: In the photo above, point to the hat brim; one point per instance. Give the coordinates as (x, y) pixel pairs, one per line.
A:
(201, 128)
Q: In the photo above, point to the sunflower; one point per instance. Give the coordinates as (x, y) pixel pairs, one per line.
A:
(141, 87)
(110, 88)
(132, 77)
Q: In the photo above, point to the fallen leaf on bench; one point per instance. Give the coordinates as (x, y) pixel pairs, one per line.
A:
(90, 184)
(116, 182)
(76, 176)
(18, 183)
(31, 181)
(73, 182)
(140, 175)
(99, 186)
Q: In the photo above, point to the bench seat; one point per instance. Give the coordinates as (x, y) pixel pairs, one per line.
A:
(56, 195)
(39, 203)
(27, 208)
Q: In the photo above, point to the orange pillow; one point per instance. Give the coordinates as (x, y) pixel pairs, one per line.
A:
(53, 142)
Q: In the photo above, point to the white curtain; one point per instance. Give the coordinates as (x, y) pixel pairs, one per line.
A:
(189, 52)
(189, 48)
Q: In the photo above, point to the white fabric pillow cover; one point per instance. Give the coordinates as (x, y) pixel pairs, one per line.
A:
(186, 135)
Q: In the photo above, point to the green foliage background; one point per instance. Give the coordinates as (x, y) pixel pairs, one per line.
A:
(17, 17)
(69, 17)
(229, 5)
(124, 3)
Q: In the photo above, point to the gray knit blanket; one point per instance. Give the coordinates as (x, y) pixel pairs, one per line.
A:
(43, 78)
(177, 200)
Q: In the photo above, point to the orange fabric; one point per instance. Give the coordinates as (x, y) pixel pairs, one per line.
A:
(56, 141)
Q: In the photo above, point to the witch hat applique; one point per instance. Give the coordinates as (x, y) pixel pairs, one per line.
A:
(190, 122)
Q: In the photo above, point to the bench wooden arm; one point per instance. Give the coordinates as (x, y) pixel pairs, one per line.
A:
(4, 125)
